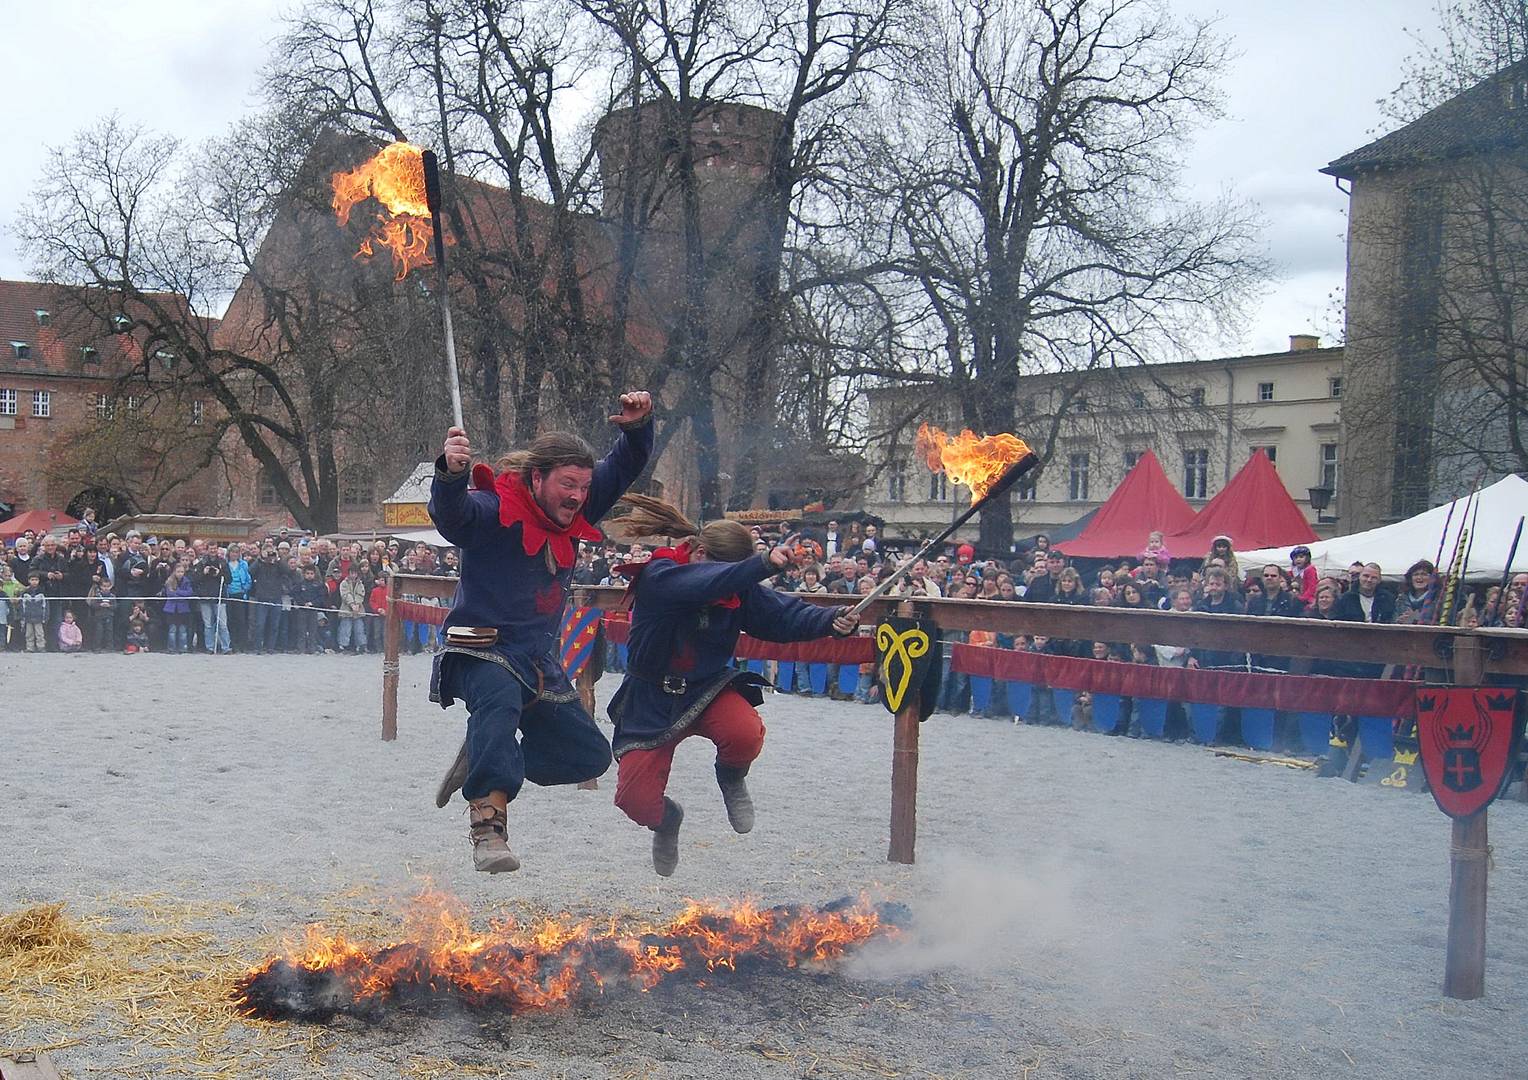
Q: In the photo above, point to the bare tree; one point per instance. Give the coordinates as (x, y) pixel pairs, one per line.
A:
(155, 238)
(1039, 213)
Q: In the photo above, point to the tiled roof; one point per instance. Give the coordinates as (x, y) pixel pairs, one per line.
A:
(1491, 115)
(55, 348)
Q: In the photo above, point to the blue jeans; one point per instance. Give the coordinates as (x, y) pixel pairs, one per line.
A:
(215, 625)
(558, 744)
(262, 627)
(352, 630)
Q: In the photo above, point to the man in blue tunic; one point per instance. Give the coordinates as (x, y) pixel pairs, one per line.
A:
(518, 528)
(692, 602)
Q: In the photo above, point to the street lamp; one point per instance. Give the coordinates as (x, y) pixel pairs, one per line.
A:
(1320, 499)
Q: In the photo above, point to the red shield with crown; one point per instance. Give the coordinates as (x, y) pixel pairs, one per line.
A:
(1468, 737)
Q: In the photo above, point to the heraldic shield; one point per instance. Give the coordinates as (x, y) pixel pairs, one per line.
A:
(1468, 738)
(907, 660)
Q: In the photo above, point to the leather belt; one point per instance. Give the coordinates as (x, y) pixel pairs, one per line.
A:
(677, 685)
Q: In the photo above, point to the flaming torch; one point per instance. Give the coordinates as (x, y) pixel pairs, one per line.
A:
(405, 180)
(989, 466)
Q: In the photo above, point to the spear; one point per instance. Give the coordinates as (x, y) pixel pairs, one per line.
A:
(1004, 482)
(443, 292)
(1506, 571)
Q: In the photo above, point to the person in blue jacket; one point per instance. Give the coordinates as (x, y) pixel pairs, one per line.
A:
(691, 603)
(518, 532)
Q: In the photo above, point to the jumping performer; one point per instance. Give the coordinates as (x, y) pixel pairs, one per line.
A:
(518, 533)
(691, 602)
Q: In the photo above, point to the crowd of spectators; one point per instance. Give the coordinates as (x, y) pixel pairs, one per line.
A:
(91, 591)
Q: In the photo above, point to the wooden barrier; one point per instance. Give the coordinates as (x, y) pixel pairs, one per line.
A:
(1466, 656)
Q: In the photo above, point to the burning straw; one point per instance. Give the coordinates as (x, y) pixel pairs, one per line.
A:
(551, 963)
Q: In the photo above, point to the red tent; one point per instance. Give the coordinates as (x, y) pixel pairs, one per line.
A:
(39, 521)
(1145, 500)
(1254, 510)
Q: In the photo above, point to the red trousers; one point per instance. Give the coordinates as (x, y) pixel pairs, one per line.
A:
(642, 775)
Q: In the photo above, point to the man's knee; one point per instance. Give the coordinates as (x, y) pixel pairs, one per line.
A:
(639, 793)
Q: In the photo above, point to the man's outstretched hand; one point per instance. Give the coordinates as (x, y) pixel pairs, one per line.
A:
(846, 622)
(636, 406)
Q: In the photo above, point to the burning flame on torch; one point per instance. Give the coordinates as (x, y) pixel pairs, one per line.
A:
(978, 463)
(395, 178)
(545, 964)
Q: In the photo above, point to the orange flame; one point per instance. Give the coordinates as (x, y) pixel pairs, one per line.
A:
(395, 178)
(545, 964)
(975, 462)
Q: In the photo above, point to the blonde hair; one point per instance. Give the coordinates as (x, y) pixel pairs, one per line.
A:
(724, 540)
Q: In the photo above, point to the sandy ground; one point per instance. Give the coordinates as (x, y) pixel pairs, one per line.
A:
(1084, 906)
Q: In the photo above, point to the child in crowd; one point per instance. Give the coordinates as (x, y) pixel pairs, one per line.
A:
(70, 638)
(102, 602)
(177, 611)
(34, 615)
(10, 610)
(137, 629)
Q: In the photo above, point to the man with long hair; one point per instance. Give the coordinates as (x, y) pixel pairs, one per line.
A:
(518, 530)
(691, 603)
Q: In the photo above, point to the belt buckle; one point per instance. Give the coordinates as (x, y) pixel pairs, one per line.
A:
(673, 684)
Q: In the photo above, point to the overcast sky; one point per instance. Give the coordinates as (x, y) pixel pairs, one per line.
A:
(1300, 92)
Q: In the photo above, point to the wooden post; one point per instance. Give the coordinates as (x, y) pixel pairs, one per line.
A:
(1464, 973)
(904, 780)
(392, 634)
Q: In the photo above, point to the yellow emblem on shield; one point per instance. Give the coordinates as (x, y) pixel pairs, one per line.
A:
(903, 648)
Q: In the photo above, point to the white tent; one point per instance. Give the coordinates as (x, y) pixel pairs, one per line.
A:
(1491, 515)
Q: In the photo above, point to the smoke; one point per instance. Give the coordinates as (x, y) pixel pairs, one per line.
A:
(977, 918)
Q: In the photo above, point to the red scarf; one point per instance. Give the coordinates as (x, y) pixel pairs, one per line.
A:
(516, 504)
(681, 555)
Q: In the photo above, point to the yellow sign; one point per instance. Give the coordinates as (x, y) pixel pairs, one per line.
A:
(406, 514)
(903, 648)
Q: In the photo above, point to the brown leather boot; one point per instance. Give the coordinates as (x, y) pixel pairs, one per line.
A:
(666, 838)
(490, 843)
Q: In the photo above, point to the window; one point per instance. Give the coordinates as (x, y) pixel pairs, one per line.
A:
(1077, 478)
(265, 395)
(106, 407)
(7, 403)
(130, 403)
(43, 318)
(42, 403)
(20, 350)
(938, 487)
(896, 484)
(1080, 403)
(166, 358)
(266, 495)
(1196, 473)
(1265, 391)
(120, 324)
(1271, 451)
(196, 413)
(1131, 457)
(1196, 396)
(1334, 386)
(1329, 465)
(1028, 489)
(89, 354)
(1138, 399)
(355, 488)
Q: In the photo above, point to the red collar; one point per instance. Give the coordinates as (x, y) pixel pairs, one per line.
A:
(681, 555)
(516, 504)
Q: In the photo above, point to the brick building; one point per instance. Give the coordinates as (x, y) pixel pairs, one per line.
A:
(71, 434)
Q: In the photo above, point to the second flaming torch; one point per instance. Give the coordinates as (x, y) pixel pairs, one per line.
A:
(442, 288)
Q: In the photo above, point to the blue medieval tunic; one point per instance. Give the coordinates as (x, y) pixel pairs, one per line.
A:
(684, 630)
(514, 590)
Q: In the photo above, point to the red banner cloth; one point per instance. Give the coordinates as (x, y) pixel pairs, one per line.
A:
(1291, 693)
(409, 611)
(854, 650)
